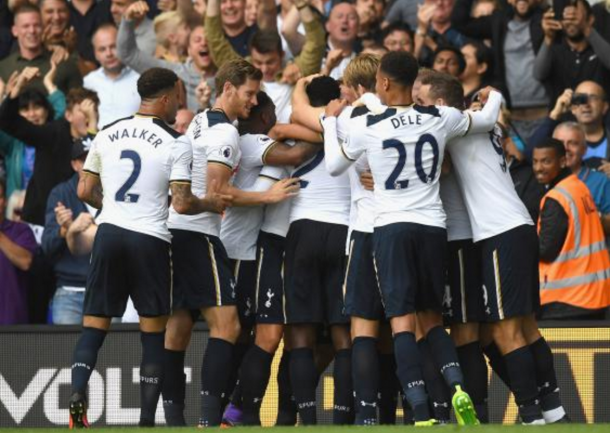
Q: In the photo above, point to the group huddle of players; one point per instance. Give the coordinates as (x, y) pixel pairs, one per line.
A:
(344, 230)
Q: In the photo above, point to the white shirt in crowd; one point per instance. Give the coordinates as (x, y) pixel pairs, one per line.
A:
(281, 95)
(118, 96)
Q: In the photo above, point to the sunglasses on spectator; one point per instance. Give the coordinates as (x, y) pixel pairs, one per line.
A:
(585, 98)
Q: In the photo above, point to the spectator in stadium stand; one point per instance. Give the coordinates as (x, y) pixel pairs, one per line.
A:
(582, 54)
(342, 28)
(37, 108)
(142, 26)
(172, 33)
(199, 65)
(434, 29)
(370, 15)
(267, 55)
(32, 53)
(478, 68)
(17, 246)
(56, 24)
(449, 60)
(66, 220)
(402, 11)
(115, 83)
(398, 37)
(53, 140)
(516, 35)
(85, 17)
(588, 103)
(572, 135)
(574, 261)
(601, 12)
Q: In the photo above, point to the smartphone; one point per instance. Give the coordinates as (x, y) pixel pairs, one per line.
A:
(580, 99)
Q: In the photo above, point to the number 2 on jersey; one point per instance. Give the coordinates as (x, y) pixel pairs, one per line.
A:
(121, 194)
(392, 181)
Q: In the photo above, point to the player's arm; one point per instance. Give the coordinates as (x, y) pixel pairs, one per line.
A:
(184, 202)
(283, 154)
(336, 159)
(484, 120)
(294, 131)
(302, 111)
(90, 189)
(221, 174)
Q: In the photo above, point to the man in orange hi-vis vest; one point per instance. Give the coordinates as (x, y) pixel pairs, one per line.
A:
(574, 261)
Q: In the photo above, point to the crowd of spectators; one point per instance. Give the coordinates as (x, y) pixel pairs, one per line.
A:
(81, 59)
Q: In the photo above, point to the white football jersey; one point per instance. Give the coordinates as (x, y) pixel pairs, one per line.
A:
(405, 148)
(458, 222)
(482, 172)
(281, 95)
(215, 140)
(322, 197)
(240, 225)
(277, 216)
(362, 214)
(136, 159)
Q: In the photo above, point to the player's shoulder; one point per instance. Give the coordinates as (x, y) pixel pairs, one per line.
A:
(116, 122)
(373, 119)
(217, 119)
(258, 140)
(166, 128)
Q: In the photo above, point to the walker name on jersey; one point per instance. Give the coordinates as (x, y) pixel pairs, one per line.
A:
(406, 120)
(140, 134)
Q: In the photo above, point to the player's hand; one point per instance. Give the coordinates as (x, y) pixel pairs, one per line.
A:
(24, 78)
(550, 26)
(63, 216)
(136, 11)
(306, 80)
(366, 179)
(335, 107)
(282, 190)
(215, 201)
(291, 74)
(483, 94)
(82, 222)
(562, 105)
(604, 167)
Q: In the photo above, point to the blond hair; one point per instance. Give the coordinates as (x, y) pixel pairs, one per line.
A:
(164, 25)
(362, 71)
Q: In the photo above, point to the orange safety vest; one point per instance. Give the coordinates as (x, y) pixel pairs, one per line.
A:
(580, 275)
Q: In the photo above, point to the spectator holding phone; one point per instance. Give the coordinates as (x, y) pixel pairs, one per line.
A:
(582, 54)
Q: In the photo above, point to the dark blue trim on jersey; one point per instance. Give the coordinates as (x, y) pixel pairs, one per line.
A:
(217, 116)
(373, 119)
(360, 111)
(431, 110)
(306, 168)
(171, 131)
(116, 121)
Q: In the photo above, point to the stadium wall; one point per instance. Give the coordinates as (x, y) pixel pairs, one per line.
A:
(35, 377)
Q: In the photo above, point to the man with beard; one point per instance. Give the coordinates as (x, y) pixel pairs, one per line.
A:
(582, 55)
(516, 36)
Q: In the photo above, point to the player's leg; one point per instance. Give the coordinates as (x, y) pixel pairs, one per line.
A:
(493, 354)
(343, 401)
(286, 407)
(546, 378)
(388, 381)
(177, 338)
(303, 372)
(365, 369)
(105, 297)
(216, 366)
(508, 276)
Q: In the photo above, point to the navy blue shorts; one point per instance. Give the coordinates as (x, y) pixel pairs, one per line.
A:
(202, 272)
(410, 261)
(361, 290)
(463, 301)
(510, 273)
(314, 273)
(270, 279)
(244, 272)
(125, 263)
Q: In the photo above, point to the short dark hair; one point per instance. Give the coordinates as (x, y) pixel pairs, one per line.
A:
(400, 66)
(26, 8)
(454, 50)
(586, 5)
(483, 54)
(237, 73)
(155, 82)
(445, 86)
(322, 90)
(552, 143)
(37, 98)
(396, 27)
(266, 41)
(264, 104)
(78, 95)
